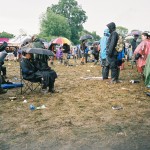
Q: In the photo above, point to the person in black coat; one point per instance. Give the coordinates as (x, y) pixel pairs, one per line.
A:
(66, 51)
(3, 54)
(111, 53)
(38, 72)
(134, 43)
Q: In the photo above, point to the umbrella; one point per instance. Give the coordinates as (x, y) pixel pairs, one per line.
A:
(96, 42)
(136, 33)
(85, 37)
(26, 41)
(37, 51)
(130, 37)
(61, 41)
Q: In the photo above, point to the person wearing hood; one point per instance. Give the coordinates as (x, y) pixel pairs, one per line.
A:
(103, 45)
(112, 53)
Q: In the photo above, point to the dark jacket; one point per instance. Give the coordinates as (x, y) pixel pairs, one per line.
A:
(66, 48)
(112, 41)
(134, 45)
(3, 46)
(28, 69)
(32, 73)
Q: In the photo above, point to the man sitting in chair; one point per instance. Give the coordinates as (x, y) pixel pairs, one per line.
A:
(35, 73)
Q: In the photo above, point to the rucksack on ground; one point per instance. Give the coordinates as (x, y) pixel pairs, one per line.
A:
(120, 44)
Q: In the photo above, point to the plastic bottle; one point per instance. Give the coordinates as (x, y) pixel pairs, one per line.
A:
(32, 107)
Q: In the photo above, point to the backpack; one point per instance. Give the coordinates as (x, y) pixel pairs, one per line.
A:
(120, 44)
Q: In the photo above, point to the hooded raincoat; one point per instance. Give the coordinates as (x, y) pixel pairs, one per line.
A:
(144, 49)
(111, 52)
(112, 41)
(103, 44)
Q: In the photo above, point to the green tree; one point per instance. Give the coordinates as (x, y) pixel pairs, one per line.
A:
(74, 14)
(122, 30)
(53, 24)
(6, 35)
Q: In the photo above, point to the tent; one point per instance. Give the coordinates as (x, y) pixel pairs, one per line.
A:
(19, 40)
(3, 40)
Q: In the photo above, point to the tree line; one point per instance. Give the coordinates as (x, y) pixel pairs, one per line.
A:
(65, 19)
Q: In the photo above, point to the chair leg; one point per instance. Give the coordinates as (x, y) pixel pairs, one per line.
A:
(30, 86)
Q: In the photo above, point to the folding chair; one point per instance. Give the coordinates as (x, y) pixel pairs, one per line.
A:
(30, 86)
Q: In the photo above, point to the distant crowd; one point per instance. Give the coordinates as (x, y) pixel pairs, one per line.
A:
(111, 51)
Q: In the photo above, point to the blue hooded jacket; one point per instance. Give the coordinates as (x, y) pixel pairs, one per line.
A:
(103, 44)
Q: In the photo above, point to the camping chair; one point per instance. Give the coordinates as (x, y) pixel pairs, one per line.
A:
(30, 85)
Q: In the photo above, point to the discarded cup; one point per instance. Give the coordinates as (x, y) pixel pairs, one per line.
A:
(88, 70)
(134, 81)
(32, 107)
(117, 107)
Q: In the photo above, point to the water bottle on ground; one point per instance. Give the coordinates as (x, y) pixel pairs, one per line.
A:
(32, 107)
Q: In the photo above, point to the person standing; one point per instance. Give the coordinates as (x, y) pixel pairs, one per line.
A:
(95, 53)
(142, 51)
(59, 55)
(83, 48)
(112, 53)
(66, 51)
(103, 45)
(74, 54)
(134, 43)
(15, 54)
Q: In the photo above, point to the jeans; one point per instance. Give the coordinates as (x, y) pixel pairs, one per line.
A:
(105, 69)
(114, 68)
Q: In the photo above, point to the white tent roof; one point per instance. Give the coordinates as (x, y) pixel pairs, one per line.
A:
(19, 40)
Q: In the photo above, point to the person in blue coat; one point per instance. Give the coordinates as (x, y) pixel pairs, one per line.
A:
(120, 58)
(103, 45)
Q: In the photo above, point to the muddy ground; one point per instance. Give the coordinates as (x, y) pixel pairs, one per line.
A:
(80, 116)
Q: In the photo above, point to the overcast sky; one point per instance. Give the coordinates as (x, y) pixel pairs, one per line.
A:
(17, 15)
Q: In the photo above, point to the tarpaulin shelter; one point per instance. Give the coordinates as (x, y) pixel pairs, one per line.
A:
(19, 40)
(3, 40)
